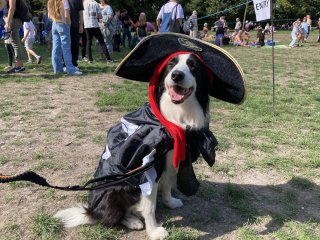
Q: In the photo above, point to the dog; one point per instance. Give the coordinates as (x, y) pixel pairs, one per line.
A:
(183, 99)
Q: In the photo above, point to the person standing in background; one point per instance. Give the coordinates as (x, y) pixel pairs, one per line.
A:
(141, 28)
(76, 28)
(91, 17)
(309, 21)
(193, 23)
(30, 33)
(295, 32)
(172, 9)
(238, 26)
(117, 31)
(107, 20)
(220, 24)
(126, 22)
(58, 11)
(12, 25)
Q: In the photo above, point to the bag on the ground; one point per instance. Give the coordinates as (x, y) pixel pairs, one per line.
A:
(23, 10)
(168, 24)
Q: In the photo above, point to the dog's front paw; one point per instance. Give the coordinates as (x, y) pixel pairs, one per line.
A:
(158, 233)
(173, 203)
(132, 222)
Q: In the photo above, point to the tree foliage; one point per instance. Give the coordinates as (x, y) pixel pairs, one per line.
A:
(283, 9)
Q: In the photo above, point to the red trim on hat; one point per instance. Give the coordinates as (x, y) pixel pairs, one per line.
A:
(178, 133)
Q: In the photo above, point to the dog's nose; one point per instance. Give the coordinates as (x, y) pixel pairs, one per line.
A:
(177, 76)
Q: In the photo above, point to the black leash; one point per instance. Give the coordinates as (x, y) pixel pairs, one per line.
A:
(93, 184)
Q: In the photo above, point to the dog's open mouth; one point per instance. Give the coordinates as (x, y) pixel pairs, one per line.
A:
(179, 94)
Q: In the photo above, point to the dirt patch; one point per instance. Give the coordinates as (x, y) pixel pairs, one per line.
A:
(55, 128)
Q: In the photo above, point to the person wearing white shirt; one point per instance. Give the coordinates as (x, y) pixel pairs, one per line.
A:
(91, 16)
(193, 24)
(30, 33)
(171, 9)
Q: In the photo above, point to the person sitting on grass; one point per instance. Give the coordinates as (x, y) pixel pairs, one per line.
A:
(28, 39)
(245, 38)
(237, 38)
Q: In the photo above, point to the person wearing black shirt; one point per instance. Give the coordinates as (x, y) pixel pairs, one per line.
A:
(76, 16)
(126, 24)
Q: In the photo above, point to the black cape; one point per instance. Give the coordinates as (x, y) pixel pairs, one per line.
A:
(141, 138)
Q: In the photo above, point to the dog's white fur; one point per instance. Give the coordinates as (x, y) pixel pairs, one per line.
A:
(187, 113)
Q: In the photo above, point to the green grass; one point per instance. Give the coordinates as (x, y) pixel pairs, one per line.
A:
(293, 230)
(99, 233)
(123, 97)
(179, 233)
(45, 227)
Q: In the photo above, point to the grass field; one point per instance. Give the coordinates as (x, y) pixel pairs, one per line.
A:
(264, 185)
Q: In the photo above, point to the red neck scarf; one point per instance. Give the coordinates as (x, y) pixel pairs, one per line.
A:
(178, 133)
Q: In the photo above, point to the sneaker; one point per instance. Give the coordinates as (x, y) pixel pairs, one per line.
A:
(77, 69)
(110, 61)
(19, 69)
(76, 73)
(39, 58)
(64, 69)
(84, 59)
(29, 61)
(90, 62)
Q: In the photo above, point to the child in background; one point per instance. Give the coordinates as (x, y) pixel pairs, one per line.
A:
(28, 39)
(245, 38)
(205, 29)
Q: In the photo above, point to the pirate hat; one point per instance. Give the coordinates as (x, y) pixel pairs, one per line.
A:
(227, 82)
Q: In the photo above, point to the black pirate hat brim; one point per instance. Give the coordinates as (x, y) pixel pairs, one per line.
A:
(228, 83)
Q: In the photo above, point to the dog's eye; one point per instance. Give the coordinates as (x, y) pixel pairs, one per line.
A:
(172, 62)
(191, 64)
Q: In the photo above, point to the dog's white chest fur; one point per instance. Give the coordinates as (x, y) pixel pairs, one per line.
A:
(188, 112)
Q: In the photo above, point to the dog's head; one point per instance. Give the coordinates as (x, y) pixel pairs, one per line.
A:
(185, 77)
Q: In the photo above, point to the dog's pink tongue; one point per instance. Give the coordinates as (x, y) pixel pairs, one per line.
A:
(175, 94)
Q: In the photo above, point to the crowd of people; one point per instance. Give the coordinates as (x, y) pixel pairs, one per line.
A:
(65, 26)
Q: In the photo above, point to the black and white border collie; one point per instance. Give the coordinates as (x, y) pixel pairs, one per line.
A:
(182, 97)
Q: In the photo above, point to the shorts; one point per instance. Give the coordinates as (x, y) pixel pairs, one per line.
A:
(29, 43)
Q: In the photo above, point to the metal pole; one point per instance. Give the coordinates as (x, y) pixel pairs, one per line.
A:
(272, 34)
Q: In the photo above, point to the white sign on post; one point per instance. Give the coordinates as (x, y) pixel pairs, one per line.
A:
(262, 9)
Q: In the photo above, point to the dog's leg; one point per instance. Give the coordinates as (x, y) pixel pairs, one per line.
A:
(147, 208)
(167, 181)
(131, 221)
